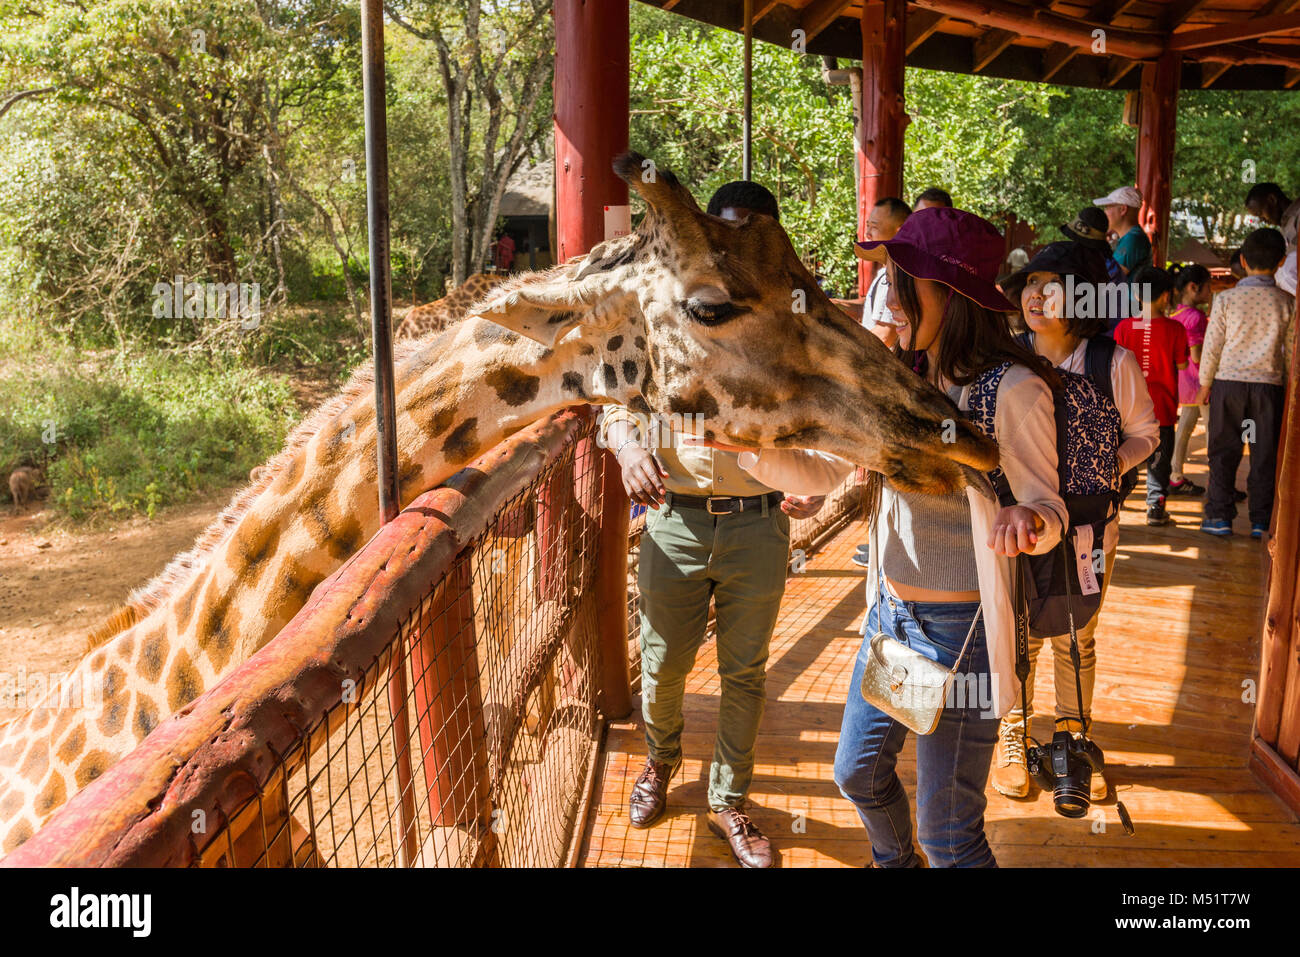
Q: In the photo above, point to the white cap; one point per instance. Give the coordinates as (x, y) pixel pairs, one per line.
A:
(1124, 196)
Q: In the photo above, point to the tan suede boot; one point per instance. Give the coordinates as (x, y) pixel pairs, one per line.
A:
(1010, 775)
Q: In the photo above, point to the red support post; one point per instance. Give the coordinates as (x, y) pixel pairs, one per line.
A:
(591, 204)
(591, 119)
(879, 136)
(554, 548)
(449, 703)
(1157, 115)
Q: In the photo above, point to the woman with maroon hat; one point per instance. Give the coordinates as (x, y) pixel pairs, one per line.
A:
(940, 571)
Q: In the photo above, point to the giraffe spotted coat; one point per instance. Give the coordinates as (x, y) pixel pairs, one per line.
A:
(688, 314)
(434, 317)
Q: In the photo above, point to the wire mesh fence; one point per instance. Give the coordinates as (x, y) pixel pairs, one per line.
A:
(434, 704)
(469, 741)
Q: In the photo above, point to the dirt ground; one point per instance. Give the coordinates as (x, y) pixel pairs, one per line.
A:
(55, 585)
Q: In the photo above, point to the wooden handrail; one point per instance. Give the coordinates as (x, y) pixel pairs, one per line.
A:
(219, 751)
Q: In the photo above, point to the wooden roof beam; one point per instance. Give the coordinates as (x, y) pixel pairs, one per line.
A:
(1056, 57)
(989, 47)
(1236, 53)
(1031, 22)
(763, 7)
(1278, 6)
(921, 25)
(820, 14)
(1181, 11)
(1231, 32)
(1211, 72)
(1292, 78)
(1118, 68)
(1106, 11)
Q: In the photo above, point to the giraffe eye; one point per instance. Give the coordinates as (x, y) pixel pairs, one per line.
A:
(710, 313)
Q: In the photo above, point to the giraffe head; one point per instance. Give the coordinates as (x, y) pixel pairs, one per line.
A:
(693, 314)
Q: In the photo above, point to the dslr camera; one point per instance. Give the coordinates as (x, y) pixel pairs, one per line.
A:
(1065, 767)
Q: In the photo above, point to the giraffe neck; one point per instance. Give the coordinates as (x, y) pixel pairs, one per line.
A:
(457, 396)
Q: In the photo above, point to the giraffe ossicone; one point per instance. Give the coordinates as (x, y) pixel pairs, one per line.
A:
(688, 314)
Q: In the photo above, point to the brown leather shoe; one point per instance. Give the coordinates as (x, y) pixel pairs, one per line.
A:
(747, 843)
(649, 797)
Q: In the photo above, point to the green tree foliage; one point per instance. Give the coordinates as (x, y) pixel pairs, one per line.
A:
(687, 115)
(1227, 142)
(159, 127)
(967, 135)
(494, 58)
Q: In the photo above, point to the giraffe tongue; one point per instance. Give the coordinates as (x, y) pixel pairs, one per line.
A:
(978, 481)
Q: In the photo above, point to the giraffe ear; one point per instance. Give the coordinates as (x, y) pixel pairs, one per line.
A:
(545, 308)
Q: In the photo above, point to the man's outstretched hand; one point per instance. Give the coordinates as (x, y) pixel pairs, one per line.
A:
(802, 506)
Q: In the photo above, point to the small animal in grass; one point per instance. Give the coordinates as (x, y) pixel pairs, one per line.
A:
(23, 482)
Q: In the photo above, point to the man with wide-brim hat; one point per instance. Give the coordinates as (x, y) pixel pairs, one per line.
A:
(1088, 229)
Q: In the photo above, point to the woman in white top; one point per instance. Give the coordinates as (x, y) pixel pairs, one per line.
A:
(1062, 299)
(943, 561)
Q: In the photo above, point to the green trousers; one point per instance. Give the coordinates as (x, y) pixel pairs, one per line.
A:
(688, 555)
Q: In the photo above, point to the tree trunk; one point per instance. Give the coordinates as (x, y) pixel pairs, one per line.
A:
(276, 228)
(217, 251)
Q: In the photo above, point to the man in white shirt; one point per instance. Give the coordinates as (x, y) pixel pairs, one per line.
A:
(1269, 203)
(886, 217)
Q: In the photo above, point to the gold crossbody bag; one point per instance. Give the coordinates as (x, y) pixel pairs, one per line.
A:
(905, 684)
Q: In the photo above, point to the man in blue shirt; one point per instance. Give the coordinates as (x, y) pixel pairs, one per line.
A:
(1121, 208)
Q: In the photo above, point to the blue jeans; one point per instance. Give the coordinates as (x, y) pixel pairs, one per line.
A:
(952, 762)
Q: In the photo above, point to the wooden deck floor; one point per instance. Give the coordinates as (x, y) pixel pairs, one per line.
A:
(1177, 645)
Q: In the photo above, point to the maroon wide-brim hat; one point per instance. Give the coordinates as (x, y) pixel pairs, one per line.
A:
(959, 249)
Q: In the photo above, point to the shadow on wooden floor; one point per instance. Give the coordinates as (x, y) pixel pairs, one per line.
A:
(1178, 655)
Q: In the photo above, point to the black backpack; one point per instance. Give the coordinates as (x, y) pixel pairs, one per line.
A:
(1088, 485)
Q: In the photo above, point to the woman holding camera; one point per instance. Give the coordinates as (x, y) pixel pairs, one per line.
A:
(944, 561)
(1067, 337)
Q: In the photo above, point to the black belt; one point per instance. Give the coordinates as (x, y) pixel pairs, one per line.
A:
(726, 504)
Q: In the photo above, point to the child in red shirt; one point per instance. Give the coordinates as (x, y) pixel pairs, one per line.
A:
(1160, 344)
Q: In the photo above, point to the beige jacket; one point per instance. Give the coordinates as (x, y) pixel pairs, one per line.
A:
(1025, 428)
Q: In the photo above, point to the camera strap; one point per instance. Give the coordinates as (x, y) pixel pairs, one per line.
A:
(1074, 638)
(1020, 600)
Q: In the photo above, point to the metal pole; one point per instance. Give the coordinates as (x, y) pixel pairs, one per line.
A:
(381, 279)
(381, 333)
(747, 163)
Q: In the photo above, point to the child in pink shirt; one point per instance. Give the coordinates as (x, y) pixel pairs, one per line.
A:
(1191, 287)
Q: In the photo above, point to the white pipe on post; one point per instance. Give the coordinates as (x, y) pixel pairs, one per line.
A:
(747, 153)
